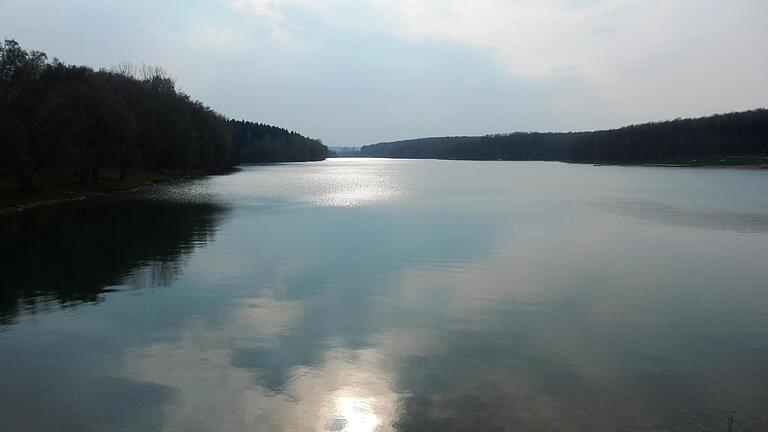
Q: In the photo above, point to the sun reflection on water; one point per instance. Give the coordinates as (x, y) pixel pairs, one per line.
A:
(354, 414)
(352, 392)
(354, 186)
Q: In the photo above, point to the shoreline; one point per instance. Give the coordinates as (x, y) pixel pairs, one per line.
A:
(85, 195)
(762, 165)
(18, 208)
(673, 165)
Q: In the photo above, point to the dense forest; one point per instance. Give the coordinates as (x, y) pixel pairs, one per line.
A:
(263, 143)
(743, 134)
(79, 122)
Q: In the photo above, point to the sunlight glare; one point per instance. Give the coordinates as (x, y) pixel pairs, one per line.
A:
(355, 414)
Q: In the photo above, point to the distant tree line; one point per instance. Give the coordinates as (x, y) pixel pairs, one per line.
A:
(263, 143)
(79, 121)
(344, 152)
(734, 134)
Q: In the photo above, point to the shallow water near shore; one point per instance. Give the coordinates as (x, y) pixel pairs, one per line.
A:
(376, 295)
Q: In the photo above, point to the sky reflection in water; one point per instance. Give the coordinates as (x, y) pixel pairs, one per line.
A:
(374, 295)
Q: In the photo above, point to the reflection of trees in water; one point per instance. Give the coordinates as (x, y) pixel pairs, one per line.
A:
(157, 273)
(76, 253)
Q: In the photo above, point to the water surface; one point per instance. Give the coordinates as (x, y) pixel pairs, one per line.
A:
(377, 295)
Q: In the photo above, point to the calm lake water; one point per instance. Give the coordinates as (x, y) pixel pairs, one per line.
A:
(377, 295)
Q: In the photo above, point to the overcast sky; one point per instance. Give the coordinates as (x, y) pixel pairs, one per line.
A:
(354, 72)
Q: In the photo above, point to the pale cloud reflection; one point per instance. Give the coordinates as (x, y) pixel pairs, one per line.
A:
(267, 316)
(349, 390)
(346, 390)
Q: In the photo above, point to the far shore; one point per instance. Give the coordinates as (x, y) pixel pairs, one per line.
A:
(671, 165)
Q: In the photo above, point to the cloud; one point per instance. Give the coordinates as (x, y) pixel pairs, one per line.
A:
(211, 35)
(596, 63)
(265, 8)
(589, 37)
(281, 28)
(531, 38)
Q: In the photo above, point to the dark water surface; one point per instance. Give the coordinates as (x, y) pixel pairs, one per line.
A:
(377, 295)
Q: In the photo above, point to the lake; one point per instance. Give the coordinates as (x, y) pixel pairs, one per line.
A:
(377, 295)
